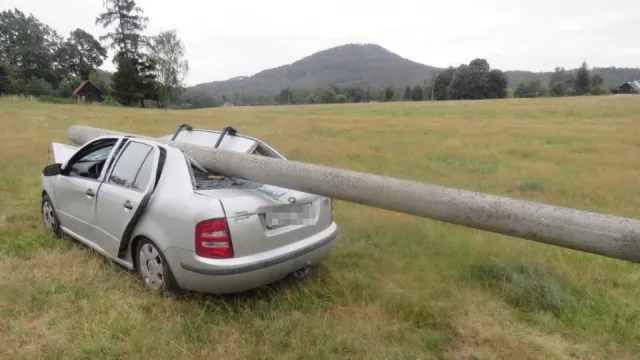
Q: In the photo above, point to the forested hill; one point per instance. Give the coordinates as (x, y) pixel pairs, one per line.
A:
(369, 65)
(353, 65)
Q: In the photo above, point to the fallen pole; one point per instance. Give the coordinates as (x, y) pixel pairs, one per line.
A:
(607, 235)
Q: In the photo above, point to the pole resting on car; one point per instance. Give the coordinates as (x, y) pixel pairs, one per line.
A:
(591, 232)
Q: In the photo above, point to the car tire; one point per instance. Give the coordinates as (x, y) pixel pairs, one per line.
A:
(153, 269)
(50, 217)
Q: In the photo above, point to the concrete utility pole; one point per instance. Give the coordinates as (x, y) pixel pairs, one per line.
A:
(607, 235)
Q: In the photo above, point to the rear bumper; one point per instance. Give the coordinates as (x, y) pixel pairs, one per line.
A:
(240, 274)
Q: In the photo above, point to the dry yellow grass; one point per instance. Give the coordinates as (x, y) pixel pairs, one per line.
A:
(396, 286)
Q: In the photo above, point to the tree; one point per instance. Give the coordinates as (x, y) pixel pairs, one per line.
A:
(496, 84)
(28, 45)
(558, 75)
(407, 93)
(462, 84)
(128, 21)
(326, 96)
(597, 85)
(597, 79)
(82, 53)
(560, 82)
(388, 93)
(284, 97)
(125, 81)
(558, 89)
(94, 77)
(5, 79)
(416, 93)
(134, 79)
(581, 82)
(171, 67)
(441, 84)
(426, 91)
(65, 89)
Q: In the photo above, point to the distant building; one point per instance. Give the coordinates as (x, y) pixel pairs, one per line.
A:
(88, 92)
(631, 87)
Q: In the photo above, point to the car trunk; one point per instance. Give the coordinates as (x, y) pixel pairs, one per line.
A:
(264, 217)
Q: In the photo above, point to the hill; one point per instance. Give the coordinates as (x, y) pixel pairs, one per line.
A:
(366, 65)
(347, 65)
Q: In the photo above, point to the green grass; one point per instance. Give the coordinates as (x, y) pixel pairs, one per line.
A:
(395, 286)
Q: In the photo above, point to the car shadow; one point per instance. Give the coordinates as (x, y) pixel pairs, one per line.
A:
(265, 292)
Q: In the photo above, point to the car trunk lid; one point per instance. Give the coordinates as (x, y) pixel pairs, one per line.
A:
(264, 217)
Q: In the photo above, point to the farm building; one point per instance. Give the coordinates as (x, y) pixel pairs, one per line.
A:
(88, 92)
(631, 87)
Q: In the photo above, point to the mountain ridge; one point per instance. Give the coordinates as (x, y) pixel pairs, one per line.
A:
(368, 65)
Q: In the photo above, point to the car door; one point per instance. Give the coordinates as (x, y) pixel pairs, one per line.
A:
(132, 176)
(77, 187)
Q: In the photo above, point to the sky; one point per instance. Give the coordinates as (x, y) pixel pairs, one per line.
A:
(224, 39)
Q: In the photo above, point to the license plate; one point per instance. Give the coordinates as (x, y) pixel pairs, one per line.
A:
(290, 215)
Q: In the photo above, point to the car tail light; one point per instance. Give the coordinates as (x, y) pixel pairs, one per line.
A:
(213, 239)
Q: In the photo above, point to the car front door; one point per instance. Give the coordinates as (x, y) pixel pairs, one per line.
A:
(76, 189)
(133, 175)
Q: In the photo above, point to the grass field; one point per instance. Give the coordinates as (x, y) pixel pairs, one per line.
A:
(395, 286)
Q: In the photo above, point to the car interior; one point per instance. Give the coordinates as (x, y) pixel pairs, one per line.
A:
(91, 164)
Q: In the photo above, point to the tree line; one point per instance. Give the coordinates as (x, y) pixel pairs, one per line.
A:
(36, 60)
(473, 81)
(565, 83)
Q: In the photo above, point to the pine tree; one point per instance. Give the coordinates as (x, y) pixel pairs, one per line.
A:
(582, 82)
(134, 79)
(407, 93)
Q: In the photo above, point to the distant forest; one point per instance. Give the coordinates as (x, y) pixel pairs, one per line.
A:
(150, 70)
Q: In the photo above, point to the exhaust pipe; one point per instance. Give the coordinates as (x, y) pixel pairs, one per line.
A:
(300, 273)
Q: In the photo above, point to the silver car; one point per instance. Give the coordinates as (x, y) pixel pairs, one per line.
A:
(153, 209)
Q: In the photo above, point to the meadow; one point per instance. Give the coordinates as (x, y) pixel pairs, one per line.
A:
(395, 286)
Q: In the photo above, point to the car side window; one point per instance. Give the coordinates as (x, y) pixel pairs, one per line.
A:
(130, 164)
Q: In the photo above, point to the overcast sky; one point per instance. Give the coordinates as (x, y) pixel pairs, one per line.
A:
(224, 39)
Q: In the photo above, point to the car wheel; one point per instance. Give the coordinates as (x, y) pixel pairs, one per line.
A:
(153, 268)
(49, 217)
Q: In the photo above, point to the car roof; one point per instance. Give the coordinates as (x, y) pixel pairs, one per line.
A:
(206, 137)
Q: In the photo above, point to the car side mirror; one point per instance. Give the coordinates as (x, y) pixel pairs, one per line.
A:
(52, 170)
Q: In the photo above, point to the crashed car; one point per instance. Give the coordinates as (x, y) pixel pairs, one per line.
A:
(153, 209)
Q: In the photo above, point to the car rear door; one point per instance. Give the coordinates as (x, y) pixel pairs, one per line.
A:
(133, 176)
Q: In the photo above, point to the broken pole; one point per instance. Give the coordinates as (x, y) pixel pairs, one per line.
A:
(591, 232)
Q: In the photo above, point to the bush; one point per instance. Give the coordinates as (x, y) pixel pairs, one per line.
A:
(110, 101)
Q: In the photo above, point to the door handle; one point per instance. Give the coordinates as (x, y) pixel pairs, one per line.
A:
(90, 193)
(127, 205)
